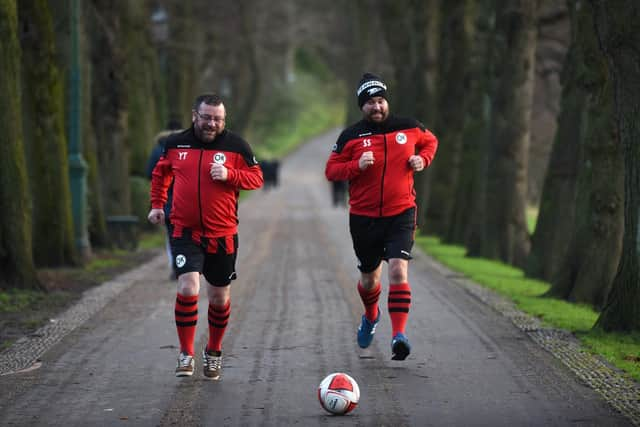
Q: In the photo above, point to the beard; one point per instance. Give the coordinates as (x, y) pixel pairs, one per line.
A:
(206, 133)
(377, 116)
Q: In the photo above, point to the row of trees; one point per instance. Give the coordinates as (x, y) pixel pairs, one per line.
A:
(479, 73)
(586, 242)
(36, 38)
(140, 64)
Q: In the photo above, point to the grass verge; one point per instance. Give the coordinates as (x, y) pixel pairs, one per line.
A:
(302, 110)
(620, 350)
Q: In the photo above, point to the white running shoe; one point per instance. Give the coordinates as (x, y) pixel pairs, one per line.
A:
(185, 366)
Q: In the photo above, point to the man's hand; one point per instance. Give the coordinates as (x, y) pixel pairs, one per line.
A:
(218, 172)
(366, 160)
(156, 216)
(416, 163)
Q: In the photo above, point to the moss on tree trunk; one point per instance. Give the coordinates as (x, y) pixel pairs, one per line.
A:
(16, 261)
(43, 106)
(506, 236)
(618, 29)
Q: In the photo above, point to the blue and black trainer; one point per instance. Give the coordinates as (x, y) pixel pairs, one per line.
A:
(366, 331)
(400, 347)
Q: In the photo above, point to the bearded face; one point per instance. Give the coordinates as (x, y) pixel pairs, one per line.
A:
(209, 121)
(376, 109)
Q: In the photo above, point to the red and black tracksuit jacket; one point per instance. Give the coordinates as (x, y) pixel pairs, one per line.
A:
(386, 187)
(204, 207)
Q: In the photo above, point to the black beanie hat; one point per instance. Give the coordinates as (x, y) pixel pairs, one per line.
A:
(369, 86)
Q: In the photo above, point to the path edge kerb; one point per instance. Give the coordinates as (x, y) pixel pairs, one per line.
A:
(26, 351)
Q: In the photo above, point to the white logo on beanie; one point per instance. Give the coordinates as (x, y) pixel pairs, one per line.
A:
(370, 83)
(374, 90)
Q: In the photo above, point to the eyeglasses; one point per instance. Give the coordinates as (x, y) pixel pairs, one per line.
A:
(207, 118)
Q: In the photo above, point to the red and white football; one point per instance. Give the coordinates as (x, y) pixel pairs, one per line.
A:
(338, 393)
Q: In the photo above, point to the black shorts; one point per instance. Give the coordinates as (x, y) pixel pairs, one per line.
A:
(215, 259)
(377, 239)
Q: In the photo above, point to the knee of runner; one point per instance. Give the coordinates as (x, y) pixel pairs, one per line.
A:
(397, 273)
(187, 285)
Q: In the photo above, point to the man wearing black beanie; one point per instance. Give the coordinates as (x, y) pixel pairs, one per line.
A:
(378, 156)
(369, 86)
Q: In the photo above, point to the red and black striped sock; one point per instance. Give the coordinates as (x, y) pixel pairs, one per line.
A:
(186, 320)
(398, 303)
(370, 299)
(218, 319)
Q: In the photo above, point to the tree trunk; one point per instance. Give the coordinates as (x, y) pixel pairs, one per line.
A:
(142, 75)
(358, 53)
(483, 68)
(16, 262)
(506, 237)
(110, 104)
(427, 14)
(95, 200)
(618, 29)
(455, 41)
(183, 51)
(413, 54)
(43, 106)
(467, 207)
(408, 85)
(589, 266)
(556, 215)
(60, 13)
(251, 83)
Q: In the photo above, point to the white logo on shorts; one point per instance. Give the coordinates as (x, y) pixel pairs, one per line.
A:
(401, 138)
(219, 158)
(181, 260)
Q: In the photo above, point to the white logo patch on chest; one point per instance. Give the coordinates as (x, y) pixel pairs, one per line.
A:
(219, 158)
(401, 138)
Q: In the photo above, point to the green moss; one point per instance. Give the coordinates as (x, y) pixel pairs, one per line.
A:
(532, 218)
(15, 300)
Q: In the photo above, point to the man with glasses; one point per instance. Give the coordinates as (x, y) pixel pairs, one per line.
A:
(209, 165)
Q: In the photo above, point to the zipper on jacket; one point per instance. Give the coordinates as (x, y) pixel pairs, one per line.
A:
(200, 191)
(384, 169)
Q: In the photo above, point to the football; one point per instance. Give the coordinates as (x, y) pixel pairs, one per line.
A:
(338, 393)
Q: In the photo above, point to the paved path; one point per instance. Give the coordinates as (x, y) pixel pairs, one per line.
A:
(294, 315)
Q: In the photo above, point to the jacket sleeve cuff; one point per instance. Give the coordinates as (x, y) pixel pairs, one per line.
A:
(355, 168)
(232, 177)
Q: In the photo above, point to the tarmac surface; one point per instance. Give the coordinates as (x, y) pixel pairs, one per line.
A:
(475, 361)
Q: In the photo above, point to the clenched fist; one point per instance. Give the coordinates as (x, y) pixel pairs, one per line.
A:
(218, 172)
(156, 216)
(366, 160)
(416, 163)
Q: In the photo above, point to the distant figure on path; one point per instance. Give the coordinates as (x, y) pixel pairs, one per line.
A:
(160, 139)
(208, 165)
(378, 156)
(270, 170)
(339, 193)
